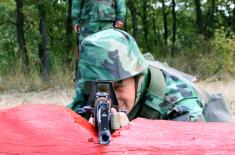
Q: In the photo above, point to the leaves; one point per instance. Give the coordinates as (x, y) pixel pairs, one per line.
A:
(210, 54)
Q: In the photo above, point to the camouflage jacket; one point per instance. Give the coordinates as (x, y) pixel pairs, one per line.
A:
(98, 10)
(169, 97)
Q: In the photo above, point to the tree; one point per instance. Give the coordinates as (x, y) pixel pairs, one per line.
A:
(132, 7)
(233, 20)
(21, 38)
(43, 45)
(199, 18)
(145, 21)
(210, 27)
(69, 34)
(154, 21)
(173, 28)
(165, 23)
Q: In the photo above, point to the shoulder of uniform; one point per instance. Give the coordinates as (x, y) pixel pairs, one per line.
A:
(157, 83)
(165, 67)
(183, 76)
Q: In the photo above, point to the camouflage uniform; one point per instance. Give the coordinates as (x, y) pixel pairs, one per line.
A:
(97, 15)
(114, 55)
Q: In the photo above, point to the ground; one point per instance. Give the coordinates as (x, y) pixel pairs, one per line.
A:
(12, 98)
(63, 96)
(225, 88)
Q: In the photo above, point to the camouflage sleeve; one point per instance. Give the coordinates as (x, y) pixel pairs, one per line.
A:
(76, 10)
(78, 100)
(187, 110)
(120, 10)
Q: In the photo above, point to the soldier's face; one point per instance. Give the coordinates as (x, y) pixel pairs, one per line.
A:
(125, 91)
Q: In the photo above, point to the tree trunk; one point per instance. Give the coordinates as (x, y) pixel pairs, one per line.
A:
(43, 49)
(144, 21)
(164, 14)
(210, 27)
(199, 20)
(133, 11)
(69, 36)
(233, 20)
(154, 23)
(21, 38)
(229, 15)
(173, 28)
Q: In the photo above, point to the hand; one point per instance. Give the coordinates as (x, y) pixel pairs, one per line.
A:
(91, 120)
(119, 24)
(76, 28)
(118, 119)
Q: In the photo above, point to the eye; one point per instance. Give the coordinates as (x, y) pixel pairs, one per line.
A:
(118, 88)
(119, 85)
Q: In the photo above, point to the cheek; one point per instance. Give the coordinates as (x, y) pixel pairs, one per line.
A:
(131, 97)
(125, 95)
(131, 94)
(126, 98)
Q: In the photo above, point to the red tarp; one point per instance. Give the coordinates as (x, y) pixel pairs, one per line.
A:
(50, 129)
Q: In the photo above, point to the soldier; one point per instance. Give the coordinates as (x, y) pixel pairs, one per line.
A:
(143, 88)
(95, 15)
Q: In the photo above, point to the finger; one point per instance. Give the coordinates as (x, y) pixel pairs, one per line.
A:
(113, 110)
(74, 28)
(78, 28)
(123, 119)
(91, 120)
(119, 24)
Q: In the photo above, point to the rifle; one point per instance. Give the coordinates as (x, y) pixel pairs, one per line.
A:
(101, 98)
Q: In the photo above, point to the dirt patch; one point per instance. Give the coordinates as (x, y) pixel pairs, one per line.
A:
(52, 96)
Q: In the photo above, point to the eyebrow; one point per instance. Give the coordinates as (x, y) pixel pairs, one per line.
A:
(118, 84)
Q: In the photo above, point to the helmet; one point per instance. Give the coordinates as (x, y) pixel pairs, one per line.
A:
(110, 55)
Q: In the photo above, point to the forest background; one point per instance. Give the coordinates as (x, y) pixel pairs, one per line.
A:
(37, 43)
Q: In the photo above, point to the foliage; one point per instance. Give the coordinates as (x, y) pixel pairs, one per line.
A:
(206, 58)
(208, 54)
(225, 51)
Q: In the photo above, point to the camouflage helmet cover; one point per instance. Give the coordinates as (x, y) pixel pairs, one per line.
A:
(110, 55)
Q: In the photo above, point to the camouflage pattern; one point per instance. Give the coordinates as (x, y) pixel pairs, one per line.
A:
(104, 56)
(98, 10)
(114, 55)
(97, 15)
(177, 93)
(93, 27)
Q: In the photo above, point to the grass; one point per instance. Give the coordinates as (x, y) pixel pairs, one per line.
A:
(14, 90)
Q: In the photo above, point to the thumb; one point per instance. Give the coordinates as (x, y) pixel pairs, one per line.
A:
(118, 120)
(113, 110)
(91, 120)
